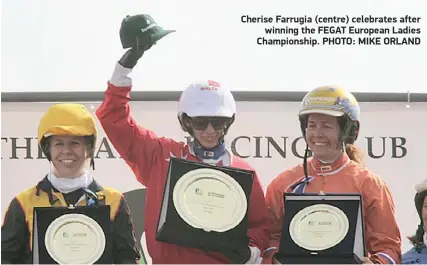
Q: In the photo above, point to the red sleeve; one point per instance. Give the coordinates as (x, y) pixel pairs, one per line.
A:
(383, 238)
(138, 146)
(258, 217)
(275, 206)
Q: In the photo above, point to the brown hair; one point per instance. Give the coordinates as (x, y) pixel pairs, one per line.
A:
(414, 240)
(90, 145)
(355, 153)
(88, 140)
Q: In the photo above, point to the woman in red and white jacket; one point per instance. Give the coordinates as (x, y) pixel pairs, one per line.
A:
(206, 111)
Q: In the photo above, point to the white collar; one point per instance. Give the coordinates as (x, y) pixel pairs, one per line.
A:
(65, 185)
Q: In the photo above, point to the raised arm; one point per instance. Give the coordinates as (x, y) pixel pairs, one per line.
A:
(137, 145)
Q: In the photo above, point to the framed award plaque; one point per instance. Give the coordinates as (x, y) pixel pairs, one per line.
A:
(322, 229)
(79, 235)
(205, 206)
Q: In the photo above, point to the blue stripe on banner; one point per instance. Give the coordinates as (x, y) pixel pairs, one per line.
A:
(385, 255)
(300, 188)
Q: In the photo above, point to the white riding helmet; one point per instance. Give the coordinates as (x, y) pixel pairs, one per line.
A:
(207, 98)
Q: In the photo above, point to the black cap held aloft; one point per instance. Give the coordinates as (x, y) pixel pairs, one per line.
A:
(141, 31)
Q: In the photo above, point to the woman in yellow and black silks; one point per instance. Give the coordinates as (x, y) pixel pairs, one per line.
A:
(67, 135)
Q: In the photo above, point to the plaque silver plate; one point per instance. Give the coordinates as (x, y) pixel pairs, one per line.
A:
(210, 199)
(319, 227)
(75, 239)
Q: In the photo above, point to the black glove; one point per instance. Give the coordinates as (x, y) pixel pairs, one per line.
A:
(131, 57)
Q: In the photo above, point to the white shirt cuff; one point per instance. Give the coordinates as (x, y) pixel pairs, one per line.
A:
(255, 256)
(120, 76)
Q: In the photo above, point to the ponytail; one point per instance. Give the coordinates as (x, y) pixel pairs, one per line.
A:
(354, 153)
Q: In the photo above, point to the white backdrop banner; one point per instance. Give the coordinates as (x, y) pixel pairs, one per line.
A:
(266, 134)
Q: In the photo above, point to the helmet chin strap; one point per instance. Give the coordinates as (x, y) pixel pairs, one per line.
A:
(208, 153)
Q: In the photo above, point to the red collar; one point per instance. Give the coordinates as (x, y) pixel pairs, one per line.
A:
(322, 169)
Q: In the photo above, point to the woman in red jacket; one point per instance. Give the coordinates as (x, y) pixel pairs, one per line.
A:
(206, 111)
(330, 124)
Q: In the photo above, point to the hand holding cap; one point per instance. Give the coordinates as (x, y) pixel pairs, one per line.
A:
(141, 31)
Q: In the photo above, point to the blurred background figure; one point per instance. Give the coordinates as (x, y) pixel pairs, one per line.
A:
(418, 254)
